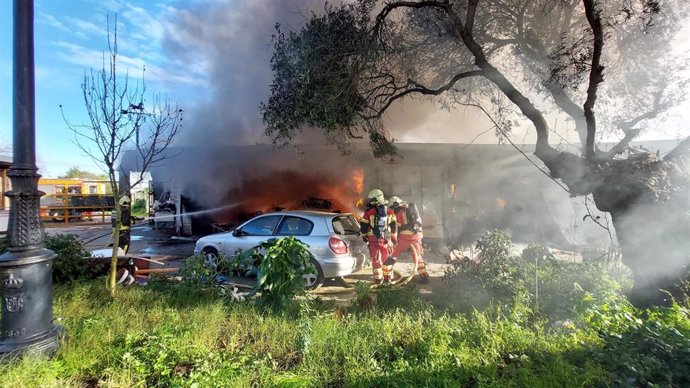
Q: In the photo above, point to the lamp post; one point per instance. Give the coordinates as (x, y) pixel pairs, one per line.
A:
(26, 270)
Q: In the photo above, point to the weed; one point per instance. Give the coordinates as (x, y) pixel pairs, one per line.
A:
(364, 299)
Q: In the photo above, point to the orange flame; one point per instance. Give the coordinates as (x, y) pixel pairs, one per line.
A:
(500, 203)
(358, 180)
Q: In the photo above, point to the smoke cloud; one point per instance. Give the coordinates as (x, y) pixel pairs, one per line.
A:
(230, 43)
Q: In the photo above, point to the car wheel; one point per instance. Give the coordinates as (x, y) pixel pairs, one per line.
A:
(211, 257)
(312, 281)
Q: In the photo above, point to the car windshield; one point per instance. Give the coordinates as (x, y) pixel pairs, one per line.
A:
(345, 225)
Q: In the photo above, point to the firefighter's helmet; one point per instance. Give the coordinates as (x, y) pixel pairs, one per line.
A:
(376, 197)
(395, 201)
(125, 201)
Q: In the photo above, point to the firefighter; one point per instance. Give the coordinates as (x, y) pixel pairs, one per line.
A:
(126, 218)
(409, 235)
(377, 228)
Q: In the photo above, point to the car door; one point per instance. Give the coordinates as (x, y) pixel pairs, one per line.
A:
(252, 233)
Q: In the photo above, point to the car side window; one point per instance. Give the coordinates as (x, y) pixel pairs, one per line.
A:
(345, 225)
(262, 226)
(295, 226)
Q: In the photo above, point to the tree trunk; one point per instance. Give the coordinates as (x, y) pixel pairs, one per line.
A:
(112, 275)
(649, 201)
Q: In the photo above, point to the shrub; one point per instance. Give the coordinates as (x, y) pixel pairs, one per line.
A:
(638, 348)
(407, 297)
(72, 260)
(546, 284)
(556, 284)
(139, 206)
(494, 245)
(196, 272)
(494, 277)
(281, 270)
(536, 252)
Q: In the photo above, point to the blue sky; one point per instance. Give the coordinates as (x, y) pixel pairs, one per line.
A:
(70, 36)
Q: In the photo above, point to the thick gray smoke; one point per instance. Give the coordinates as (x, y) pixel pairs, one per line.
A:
(230, 42)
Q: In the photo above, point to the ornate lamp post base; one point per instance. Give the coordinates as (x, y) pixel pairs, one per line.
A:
(27, 327)
(26, 274)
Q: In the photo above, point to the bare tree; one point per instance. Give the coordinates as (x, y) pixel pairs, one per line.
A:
(515, 61)
(118, 121)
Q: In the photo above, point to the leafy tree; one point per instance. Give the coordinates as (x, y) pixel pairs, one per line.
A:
(515, 61)
(119, 120)
(76, 172)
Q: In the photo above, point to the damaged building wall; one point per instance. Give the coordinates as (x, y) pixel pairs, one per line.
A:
(464, 191)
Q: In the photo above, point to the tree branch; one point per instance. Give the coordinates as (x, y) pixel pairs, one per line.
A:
(596, 74)
(543, 149)
(388, 8)
(628, 128)
(417, 88)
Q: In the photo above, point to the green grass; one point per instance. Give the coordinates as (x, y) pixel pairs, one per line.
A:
(179, 336)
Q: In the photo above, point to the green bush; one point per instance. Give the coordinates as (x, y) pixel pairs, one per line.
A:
(364, 298)
(196, 272)
(554, 288)
(281, 270)
(72, 261)
(494, 245)
(638, 348)
(546, 284)
(139, 208)
(536, 252)
(495, 277)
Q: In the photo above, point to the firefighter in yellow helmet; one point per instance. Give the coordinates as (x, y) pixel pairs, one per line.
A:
(126, 218)
(409, 235)
(377, 227)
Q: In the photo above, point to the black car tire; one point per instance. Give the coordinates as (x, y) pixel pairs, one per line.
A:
(314, 281)
(211, 257)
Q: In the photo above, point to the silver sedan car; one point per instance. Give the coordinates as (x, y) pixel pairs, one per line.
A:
(333, 240)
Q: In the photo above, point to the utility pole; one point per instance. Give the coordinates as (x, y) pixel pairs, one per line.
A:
(26, 270)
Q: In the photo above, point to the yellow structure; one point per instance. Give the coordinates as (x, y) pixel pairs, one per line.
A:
(73, 186)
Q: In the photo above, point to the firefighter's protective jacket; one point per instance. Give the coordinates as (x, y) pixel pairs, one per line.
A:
(378, 221)
(408, 219)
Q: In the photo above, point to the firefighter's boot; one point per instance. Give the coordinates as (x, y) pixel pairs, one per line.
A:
(387, 271)
(378, 276)
(421, 270)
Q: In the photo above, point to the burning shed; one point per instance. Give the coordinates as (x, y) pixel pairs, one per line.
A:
(461, 190)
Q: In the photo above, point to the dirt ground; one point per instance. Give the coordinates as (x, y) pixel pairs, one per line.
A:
(341, 291)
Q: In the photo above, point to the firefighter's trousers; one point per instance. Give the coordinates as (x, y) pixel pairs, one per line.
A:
(414, 243)
(125, 238)
(378, 251)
